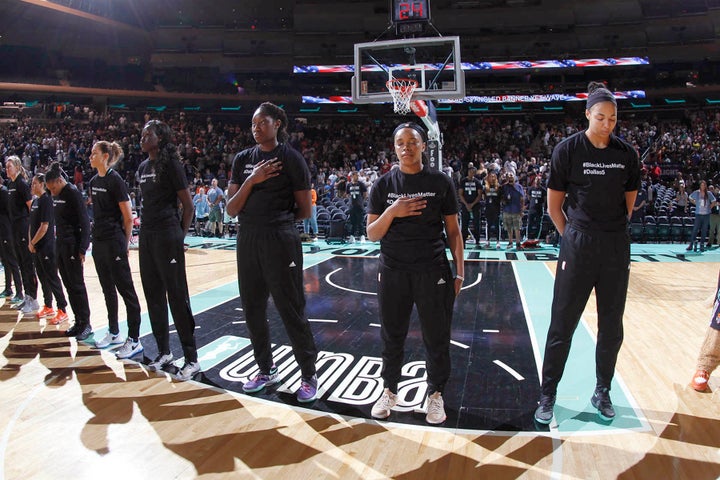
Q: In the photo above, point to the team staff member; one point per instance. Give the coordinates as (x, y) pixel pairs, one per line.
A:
(491, 194)
(536, 211)
(72, 231)
(269, 192)
(19, 203)
(600, 174)
(42, 246)
(7, 246)
(409, 208)
(357, 191)
(470, 194)
(111, 232)
(162, 253)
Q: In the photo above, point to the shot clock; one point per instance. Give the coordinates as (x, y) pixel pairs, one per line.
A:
(410, 16)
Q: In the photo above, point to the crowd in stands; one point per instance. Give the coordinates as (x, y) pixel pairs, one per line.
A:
(675, 151)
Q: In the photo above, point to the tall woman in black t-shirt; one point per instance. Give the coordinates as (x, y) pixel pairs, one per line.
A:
(594, 179)
(111, 232)
(409, 210)
(42, 246)
(72, 239)
(269, 191)
(162, 251)
(19, 203)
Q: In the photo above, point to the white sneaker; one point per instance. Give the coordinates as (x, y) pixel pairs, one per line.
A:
(435, 409)
(29, 306)
(129, 349)
(385, 403)
(362, 238)
(351, 239)
(188, 370)
(109, 339)
(161, 361)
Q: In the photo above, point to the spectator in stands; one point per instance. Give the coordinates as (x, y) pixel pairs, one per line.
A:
(202, 210)
(513, 198)
(491, 195)
(357, 192)
(681, 201)
(310, 223)
(704, 201)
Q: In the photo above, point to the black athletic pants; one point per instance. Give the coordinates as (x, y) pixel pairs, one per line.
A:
(492, 224)
(588, 260)
(356, 214)
(164, 281)
(47, 273)
(72, 273)
(465, 213)
(433, 292)
(534, 225)
(270, 262)
(113, 269)
(27, 270)
(10, 265)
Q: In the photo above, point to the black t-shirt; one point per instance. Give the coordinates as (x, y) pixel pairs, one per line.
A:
(595, 180)
(107, 192)
(159, 195)
(271, 202)
(19, 194)
(414, 243)
(5, 225)
(72, 224)
(537, 199)
(492, 198)
(471, 188)
(356, 191)
(41, 211)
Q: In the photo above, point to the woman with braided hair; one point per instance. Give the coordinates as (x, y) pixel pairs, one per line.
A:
(162, 253)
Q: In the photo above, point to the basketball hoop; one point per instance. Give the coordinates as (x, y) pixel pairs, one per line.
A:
(401, 91)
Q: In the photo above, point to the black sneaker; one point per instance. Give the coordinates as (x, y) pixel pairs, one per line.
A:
(72, 331)
(84, 333)
(6, 293)
(601, 401)
(544, 411)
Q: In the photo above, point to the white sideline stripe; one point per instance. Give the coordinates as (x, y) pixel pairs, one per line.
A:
(490, 331)
(508, 369)
(321, 320)
(458, 344)
(375, 325)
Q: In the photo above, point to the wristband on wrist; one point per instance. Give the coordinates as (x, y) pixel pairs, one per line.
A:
(460, 277)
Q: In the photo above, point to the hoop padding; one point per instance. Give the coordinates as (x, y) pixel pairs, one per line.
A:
(401, 90)
(419, 108)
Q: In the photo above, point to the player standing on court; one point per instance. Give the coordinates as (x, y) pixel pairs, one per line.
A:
(72, 239)
(600, 174)
(111, 232)
(162, 252)
(269, 191)
(409, 209)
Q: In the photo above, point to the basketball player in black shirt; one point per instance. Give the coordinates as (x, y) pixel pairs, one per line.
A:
(42, 246)
(19, 203)
(111, 232)
(600, 175)
(269, 191)
(72, 239)
(7, 246)
(409, 208)
(162, 252)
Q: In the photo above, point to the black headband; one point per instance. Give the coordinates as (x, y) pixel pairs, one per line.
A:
(414, 126)
(600, 95)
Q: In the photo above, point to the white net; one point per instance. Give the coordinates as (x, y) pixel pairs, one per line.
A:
(401, 90)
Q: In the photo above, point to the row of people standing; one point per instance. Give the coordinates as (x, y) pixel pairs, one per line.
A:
(490, 198)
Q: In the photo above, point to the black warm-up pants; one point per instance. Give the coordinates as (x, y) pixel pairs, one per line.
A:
(72, 273)
(465, 213)
(10, 265)
(113, 269)
(25, 261)
(164, 281)
(47, 273)
(534, 225)
(433, 292)
(588, 260)
(270, 262)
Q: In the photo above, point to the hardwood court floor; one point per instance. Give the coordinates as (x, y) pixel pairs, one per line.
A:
(67, 411)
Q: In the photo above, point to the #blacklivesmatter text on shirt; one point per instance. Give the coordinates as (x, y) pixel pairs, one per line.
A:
(592, 168)
(392, 197)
